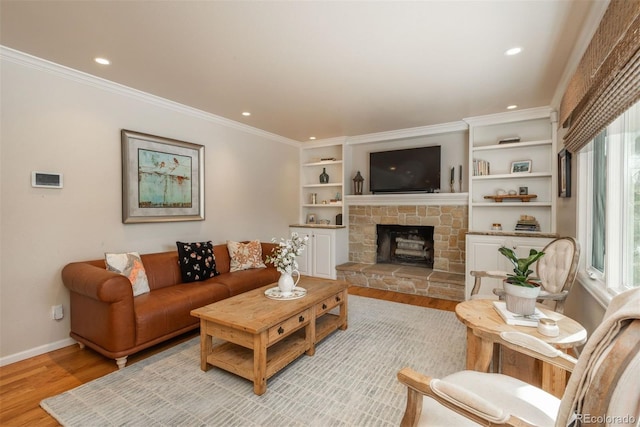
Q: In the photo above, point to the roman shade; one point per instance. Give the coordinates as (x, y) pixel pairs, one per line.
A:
(607, 80)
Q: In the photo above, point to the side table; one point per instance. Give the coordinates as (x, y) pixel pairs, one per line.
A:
(484, 326)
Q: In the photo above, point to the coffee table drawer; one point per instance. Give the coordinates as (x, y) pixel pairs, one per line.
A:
(328, 304)
(290, 325)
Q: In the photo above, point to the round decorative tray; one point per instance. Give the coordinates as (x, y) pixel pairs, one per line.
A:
(274, 293)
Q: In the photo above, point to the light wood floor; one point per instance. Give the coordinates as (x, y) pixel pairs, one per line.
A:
(24, 384)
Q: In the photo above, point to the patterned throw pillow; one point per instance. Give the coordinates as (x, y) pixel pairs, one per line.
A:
(245, 255)
(129, 264)
(197, 261)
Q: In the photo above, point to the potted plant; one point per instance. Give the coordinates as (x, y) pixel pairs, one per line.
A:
(521, 291)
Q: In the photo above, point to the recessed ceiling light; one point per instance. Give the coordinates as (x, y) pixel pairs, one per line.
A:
(246, 113)
(513, 51)
(312, 137)
(102, 61)
(512, 107)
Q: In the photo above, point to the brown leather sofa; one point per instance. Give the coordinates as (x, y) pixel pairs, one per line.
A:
(106, 317)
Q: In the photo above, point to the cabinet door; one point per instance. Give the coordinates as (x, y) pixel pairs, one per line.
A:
(483, 255)
(323, 263)
(304, 259)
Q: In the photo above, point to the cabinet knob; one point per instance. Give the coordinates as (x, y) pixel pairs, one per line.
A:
(337, 299)
(324, 306)
(280, 330)
(301, 319)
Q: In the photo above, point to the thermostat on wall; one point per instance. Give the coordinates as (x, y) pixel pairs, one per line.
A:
(46, 179)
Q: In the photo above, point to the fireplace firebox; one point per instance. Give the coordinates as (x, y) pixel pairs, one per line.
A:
(405, 244)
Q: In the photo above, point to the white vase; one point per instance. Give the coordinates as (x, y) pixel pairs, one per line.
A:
(520, 299)
(286, 283)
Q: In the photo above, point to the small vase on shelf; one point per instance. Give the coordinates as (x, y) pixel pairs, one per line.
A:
(324, 177)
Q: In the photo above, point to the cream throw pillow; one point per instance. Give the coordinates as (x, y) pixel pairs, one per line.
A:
(129, 264)
(245, 255)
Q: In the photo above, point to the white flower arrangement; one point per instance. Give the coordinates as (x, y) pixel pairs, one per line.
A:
(283, 256)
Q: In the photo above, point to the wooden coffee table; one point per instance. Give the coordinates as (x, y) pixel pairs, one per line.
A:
(260, 336)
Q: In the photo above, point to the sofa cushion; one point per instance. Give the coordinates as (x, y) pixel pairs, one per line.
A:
(245, 255)
(246, 280)
(129, 264)
(197, 261)
(166, 310)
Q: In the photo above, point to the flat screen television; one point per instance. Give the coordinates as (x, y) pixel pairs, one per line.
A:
(405, 171)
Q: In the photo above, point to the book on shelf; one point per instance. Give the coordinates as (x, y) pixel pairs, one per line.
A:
(480, 167)
(517, 319)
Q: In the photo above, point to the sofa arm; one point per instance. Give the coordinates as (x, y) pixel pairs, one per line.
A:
(96, 283)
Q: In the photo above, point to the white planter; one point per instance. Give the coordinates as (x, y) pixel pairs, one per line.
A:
(521, 300)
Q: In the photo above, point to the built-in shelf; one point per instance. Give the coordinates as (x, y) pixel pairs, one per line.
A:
(510, 204)
(331, 184)
(513, 176)
(322, 205)
(512, 145)
(324, 163)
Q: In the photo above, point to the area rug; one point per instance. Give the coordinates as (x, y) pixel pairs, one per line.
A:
(350, 381)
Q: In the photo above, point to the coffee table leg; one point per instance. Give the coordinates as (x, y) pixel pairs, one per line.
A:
(260, 363)
(344, 310)
(205, 345)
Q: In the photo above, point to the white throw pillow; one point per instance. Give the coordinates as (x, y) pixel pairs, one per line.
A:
(129, 264)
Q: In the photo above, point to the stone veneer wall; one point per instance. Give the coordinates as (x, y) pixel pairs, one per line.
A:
(450, 227)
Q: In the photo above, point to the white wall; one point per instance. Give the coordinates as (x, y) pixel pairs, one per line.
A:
(57, 120)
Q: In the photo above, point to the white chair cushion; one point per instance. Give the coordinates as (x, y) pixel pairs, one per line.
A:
(517, 397)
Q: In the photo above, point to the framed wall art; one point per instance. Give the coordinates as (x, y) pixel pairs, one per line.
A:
(564, 173)
(162, 179)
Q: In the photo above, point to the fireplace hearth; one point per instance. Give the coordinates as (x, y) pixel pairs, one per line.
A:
(405, 245)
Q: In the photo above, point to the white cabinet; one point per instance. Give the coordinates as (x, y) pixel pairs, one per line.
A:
(536, 131)
(326, 248)
(329, 196)
(483, 255)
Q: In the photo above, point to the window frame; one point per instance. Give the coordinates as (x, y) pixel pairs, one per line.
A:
(603, 287)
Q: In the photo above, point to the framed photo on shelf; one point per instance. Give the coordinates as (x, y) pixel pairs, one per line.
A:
(521, 166)
(564, 173)
(162, 179)
(311, 218)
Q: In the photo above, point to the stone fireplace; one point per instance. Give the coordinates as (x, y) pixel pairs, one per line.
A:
(441, 277)
(405, 244)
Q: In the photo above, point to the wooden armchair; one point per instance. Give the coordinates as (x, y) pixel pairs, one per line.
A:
(603, 383)
(556, 270)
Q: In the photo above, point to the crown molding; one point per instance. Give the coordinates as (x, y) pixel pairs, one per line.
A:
(511, 116)
(34, 62)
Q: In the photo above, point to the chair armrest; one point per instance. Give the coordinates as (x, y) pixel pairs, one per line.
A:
(536, 348)
(555, 297)
(96, 283)
(455, 398)
(492, 274)
(480, 274)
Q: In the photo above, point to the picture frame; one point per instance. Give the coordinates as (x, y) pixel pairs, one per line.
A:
(311, 218)
(521, 166)
(523, 191)
(564, 173)
(162, 179)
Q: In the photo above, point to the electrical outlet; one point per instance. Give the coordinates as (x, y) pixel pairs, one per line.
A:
(57, 312)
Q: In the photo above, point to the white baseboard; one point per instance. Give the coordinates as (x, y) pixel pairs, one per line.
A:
(37, 351)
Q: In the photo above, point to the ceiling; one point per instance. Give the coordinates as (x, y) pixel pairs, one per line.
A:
(316, 68)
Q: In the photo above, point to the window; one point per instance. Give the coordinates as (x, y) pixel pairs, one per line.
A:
(609, 206)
